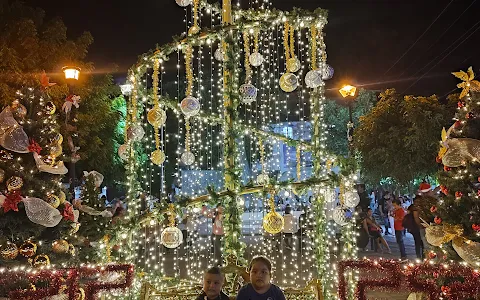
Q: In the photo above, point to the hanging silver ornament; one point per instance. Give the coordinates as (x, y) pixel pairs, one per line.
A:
(183, 3)
(256, 59)
(190, 106)
(313, 79)
(187, 158)
(219, 54)
(293, 64)
(248, 93)
(327, 72)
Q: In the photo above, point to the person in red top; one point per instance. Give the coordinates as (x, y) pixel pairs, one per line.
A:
(398, 214)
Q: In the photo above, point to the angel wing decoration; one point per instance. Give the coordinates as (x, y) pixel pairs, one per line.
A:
(12, 136)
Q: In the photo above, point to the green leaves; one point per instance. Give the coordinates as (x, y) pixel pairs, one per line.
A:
(399, 138)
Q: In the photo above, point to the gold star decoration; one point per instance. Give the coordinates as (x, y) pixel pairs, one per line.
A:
(468, 82)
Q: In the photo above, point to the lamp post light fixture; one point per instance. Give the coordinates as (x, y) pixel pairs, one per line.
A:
(348, 91)
(71, 72)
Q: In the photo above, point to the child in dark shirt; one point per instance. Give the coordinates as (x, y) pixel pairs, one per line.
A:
(260, 287)
(213, 280)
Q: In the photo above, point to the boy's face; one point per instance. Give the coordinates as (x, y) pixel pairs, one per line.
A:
(212, 285)
(259, 275)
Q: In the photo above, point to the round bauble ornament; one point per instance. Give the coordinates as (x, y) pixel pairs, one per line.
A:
(58, 139)
(2, 175)
(313, 79)
(256, 59)
(157, 117)
(41, 260)
(219, 54)
(9, 251)
(293, 64)
(53, 200)
(183, 3)
(194, 30)
(157, 157)
(263, 179)
(62, 197)
(352, 199)
(14, 183)
(5, 155)
(71, 249)
(28, 249)
(56, 150)
(187, 158)
(19, 111)
(190, 106)
(327, 72)
(341, 215)
(50, 108)
(288, 82)
(74, 227)
(135, 133)
(123, 152)
(273, 222)
(60, 246)
(248, 93)
(171, 237)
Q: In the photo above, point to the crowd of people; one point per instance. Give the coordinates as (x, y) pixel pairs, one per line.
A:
(404, 212)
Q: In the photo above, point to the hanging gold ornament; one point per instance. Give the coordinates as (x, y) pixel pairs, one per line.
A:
(53, 200)
(273, 222)
(62, 197)
(71, 250)
(28, 249)
(14, 183)
(50, 108)
(18, 110)
(60, 246)
(56, 150)
(157, 117)
(288, 82)
(41, 260)
(157, 157)
(293, 64)
(171, 236)
(58, 139)
(9, 251)
(74, 227)
(195, 28)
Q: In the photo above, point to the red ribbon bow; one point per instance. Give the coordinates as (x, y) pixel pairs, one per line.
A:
(34, 147)
(68, 212)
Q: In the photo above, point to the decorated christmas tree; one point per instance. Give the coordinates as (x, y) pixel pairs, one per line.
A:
(35, 217)
(457, 214)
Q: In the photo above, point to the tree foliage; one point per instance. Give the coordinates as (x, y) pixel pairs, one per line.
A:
(399, 137)
(29, 44)
(337, 117)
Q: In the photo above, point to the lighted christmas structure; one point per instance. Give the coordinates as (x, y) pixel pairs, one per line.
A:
(238, 127)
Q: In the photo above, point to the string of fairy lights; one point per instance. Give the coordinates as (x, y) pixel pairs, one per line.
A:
(200, 74)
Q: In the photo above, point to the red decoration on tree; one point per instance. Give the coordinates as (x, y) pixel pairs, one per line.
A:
(45, 81)
(437, 220)
(457, 124)
(433, 209)
(438, 159)
(460, 104)
(478, 193)
(446, 169)
(68, 212)
(476, 227)
(34, 147)
(11, 201)
(458, 194)
(444, 189)
(432, 255)
(446, 290)
(469, 115)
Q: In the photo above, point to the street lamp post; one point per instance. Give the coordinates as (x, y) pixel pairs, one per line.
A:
(71, 76)
(348, 91)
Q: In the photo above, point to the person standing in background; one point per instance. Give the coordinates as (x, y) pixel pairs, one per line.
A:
(383, 210)
(398, 214)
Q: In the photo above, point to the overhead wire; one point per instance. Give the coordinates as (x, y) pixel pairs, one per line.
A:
(419, 38)
(434, 43)
(415, 82)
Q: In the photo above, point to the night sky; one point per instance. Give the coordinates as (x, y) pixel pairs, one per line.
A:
(365, 39)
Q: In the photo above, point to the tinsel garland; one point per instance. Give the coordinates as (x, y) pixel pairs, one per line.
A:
(69, 278)
(453, 281)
